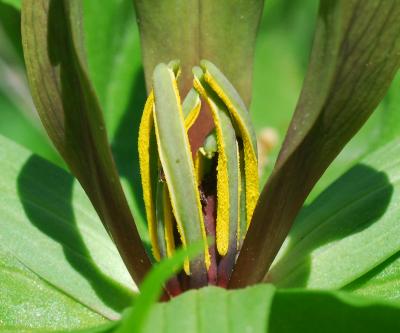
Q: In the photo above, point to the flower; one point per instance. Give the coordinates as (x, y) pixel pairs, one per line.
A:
(210, 192)
(199, 189)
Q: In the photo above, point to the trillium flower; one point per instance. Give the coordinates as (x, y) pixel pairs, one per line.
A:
(203, 193)
(197, 145)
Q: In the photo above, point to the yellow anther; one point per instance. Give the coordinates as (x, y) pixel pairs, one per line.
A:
(145, 128)
(222, 226)
(250, 153)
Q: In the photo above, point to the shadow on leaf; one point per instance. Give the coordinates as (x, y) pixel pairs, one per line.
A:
(299, 311)
(49, 208)
(350, 205)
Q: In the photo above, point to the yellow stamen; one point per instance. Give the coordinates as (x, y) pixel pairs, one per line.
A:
(192, 116)
(239, 197)
(145, 128)
(250, 154)
(222, 227)
(173, 203)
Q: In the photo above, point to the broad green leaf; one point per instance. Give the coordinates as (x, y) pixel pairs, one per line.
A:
(214, 310)
(30, 304)
(263, 309)
(348, 230)
(10, 35)
(14, 3)
(49, 225)
(106, 328)
(71, 114)
(390, 118)
(311, 311)
(382, 282)
(22, 129)
(113, 52)
(349, 73)
(18, 120)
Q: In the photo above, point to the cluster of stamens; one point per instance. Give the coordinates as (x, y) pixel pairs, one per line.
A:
(197, 196)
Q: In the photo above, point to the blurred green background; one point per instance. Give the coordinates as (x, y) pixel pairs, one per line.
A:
(113, 49)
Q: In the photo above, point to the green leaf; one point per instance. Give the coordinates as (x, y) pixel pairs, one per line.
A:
(10, 34)
(106, 328)
(382, 282)
(264, 309)
(113, 52)
(390, 119)
(352, 65)
(279, 70)
(14, 3)
(30, 304)
(348, 230)
(214, 30)
(310, 311)
(21, 128)
(18, 119)
(49, 225)
(71, 114)
(214, 310)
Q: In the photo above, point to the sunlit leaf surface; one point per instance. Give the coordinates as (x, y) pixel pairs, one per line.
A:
(31, 304)
(348, 230)
(49, 225)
